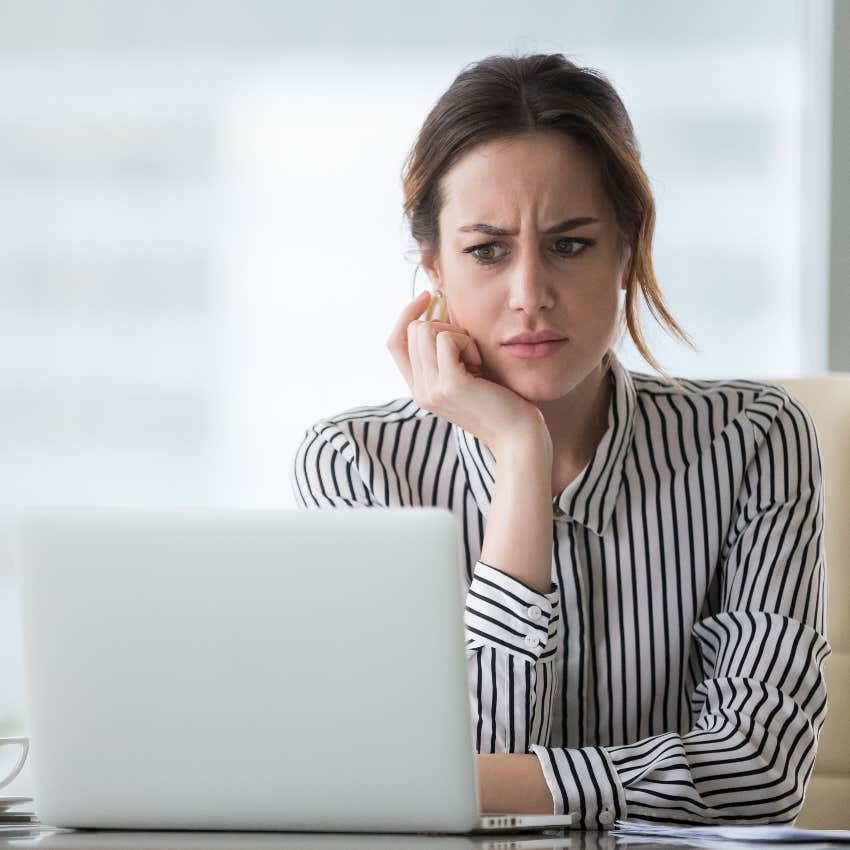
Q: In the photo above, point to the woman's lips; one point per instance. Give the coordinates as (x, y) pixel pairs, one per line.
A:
(527, 350)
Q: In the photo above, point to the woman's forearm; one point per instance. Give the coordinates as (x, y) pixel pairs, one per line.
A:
(513, 782)
(518, 535)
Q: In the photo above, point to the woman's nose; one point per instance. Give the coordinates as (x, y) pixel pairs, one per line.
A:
(530, 282)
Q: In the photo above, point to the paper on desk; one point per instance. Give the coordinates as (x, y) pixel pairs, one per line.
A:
(665, 839)
(803, 839)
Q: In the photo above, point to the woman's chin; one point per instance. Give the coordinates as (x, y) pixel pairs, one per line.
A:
(532, 387)
(537, 390)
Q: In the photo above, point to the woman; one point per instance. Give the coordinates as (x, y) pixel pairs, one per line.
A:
(645, 616)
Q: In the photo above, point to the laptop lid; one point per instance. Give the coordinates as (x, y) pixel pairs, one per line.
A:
(212, 669)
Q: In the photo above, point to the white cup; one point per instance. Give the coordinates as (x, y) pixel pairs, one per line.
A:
(24, 744)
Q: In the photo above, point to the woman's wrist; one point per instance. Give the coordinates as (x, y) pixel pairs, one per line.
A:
(530, 440)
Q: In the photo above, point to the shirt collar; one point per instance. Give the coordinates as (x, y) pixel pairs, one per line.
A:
(590, 497)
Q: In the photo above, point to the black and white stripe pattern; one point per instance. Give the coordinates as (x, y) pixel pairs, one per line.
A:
(674, 673)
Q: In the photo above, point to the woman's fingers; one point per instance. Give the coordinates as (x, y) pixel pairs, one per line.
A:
(397, 342)
(413, 310)
(414, 345)
(466, 347)
(427, 333)
(447, 350)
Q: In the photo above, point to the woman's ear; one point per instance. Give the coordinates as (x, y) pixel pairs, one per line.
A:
(432, 267)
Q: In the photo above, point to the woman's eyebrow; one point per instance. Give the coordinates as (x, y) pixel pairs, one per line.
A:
(563, 226)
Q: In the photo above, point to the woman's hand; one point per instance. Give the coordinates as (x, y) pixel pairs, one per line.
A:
(441, 364)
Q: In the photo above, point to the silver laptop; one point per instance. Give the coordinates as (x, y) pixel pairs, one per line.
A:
(198, 840)
(250, 670)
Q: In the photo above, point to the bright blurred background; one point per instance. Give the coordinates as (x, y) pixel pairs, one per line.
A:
(201, 241)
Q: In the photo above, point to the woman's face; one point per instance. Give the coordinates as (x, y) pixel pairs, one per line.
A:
(499, 285)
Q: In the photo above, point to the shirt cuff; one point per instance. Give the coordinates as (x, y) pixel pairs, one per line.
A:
(584, 781)
(505, 613)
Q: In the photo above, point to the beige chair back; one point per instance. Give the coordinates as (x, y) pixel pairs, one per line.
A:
(827, 399)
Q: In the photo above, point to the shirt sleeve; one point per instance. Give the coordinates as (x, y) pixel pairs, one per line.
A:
(510, 628)
(324, 470)
(762, 701)
(511, 638)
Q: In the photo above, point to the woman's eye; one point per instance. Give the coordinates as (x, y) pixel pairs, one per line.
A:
(579, 246)
(487, 257)
(565, 249)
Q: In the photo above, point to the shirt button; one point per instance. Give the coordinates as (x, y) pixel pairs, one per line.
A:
(531, 640)
(534, 612)
(606, 816)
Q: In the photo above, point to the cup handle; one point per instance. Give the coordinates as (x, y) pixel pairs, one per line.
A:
(25, 748)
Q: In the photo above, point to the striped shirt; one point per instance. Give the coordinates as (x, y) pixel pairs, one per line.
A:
(674, 671)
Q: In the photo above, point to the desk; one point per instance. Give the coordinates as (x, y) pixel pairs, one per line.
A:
(185, 840)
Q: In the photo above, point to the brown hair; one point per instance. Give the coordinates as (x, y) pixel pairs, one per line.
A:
(501, 96)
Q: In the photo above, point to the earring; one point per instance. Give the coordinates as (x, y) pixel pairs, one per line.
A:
(438, 294)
